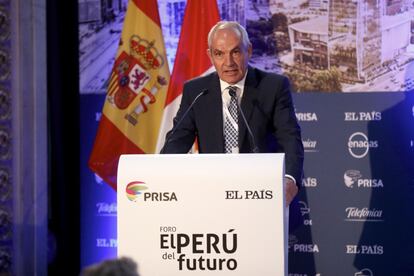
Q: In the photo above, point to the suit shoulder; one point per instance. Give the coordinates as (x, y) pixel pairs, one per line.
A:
(266, 79)
(269, 75)
(194, 86)
(201, 81)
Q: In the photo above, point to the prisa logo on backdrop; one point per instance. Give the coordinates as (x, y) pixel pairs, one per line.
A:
(354, 177)
(304, 248)
(306, 116)
(199, 251)
(134, 191)
(295, 246)
(359, 145)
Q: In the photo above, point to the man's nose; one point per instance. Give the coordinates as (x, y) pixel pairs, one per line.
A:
(228, 60)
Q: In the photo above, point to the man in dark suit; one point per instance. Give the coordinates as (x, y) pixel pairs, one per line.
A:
(206, 107)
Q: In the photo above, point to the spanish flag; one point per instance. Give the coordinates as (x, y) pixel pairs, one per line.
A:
(136, 92)
(191, 59)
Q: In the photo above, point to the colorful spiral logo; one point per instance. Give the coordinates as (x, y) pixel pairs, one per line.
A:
(133, 189)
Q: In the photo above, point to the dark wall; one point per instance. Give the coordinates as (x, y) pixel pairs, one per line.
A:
(63, 120)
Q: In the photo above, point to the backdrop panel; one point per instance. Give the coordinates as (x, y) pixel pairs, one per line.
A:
(356, 197)
(358, 189)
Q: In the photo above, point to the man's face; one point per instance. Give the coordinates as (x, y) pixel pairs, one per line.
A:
(228, 55)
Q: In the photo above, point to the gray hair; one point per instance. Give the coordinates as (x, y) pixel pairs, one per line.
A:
(233, 25)
(123, 266)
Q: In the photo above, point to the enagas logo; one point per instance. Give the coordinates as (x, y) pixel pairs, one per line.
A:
(359, 145)
(364, 272)
(134, 189)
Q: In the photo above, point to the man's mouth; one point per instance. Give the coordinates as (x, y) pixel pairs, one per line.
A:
(230, 72)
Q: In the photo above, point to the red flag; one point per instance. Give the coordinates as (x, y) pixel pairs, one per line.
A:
(191, 59)
(134, 103)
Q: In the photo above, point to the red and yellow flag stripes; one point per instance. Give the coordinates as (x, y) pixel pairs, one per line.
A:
(136, 93)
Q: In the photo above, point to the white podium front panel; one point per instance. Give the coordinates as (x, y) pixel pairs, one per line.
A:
(203, 214)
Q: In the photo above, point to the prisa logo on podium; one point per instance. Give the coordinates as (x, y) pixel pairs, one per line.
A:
(134, 192)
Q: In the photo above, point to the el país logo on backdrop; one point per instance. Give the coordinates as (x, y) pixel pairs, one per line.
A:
(364, 249)
(137, 191)
(364, 116)
(310, 182)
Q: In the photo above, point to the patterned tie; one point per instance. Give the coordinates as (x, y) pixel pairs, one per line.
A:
(231, 135)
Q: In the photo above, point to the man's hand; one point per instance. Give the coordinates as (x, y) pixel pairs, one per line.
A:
(291, 190)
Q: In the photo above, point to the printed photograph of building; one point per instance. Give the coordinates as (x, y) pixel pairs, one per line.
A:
(100, 26)
(343, 46)
(321, 45)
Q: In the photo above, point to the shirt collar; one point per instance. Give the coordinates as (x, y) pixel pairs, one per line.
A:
(240, 84)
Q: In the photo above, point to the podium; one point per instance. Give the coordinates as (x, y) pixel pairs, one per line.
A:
(203, 214)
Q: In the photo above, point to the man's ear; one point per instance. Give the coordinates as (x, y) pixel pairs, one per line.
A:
(250, 50)
(210, 55)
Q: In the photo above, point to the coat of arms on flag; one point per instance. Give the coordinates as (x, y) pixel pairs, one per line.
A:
(131, 74)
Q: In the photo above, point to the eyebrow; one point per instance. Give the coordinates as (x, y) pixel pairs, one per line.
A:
(235, 48)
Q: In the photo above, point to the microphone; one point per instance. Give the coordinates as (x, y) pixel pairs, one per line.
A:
(255, 149)
(168, 138)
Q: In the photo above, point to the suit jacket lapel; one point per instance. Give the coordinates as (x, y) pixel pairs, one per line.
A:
(215, 114)
(249, 93)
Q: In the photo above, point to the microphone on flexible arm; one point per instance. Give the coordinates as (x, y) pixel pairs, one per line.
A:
(167, 139)
(255, 149)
